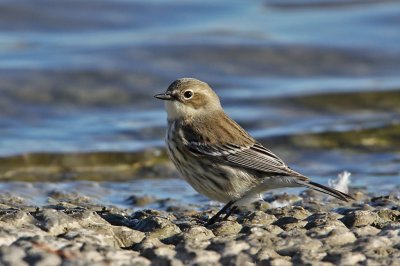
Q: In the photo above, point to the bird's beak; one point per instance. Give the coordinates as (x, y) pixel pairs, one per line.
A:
(164, 96)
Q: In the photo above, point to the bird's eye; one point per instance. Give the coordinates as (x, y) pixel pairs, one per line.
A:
(188, 94)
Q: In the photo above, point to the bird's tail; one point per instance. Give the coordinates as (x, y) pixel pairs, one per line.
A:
(327, 190)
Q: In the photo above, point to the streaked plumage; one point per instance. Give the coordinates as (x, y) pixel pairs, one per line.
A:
(216, 156)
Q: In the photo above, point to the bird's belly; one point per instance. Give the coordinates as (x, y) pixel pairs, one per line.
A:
(218, 182)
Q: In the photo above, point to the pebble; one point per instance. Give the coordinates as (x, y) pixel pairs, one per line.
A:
(360, 218)
(339, 238)
(226, 228)
(314, 232)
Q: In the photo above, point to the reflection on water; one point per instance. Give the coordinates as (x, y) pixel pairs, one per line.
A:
(318, 81)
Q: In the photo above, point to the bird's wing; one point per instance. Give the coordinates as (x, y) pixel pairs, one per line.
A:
(255, 157)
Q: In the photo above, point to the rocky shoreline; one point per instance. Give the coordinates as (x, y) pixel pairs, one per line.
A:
(305, 230)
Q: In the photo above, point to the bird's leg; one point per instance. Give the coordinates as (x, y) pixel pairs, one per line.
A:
(218, 214)
(229, 213)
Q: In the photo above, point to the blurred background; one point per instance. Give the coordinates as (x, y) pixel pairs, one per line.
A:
(318, 81)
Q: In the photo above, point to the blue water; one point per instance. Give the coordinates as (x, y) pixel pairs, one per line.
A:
(78, 76)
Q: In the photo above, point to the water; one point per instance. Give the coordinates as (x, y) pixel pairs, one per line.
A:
(318, 81)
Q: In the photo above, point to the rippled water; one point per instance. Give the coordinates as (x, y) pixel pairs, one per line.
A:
(317, 81)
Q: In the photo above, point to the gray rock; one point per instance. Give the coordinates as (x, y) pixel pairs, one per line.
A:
(150, 243)
(351, 258)
(197, 233)
(375, 247)
(339, 238)
(366, 231)
(280, 262)
(360, 218)
(95, 235)
(389, 215)
(238, 259)
(43, 259)
(158, 227)
(226, 228)
(12, 255)
(259, 218)
(205, 257)
(139, 261)
(265, 254)
(293, 244)
(289, 223)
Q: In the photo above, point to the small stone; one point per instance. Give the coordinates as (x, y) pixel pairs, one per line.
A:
(360, 218)
(197, 233)
(324, 229)
(366, 231)
(150, 243)
(198, 256)
(299, 212)
(389, 215)
(126, 236)
(238, 259)
(323, 219)
(139, 261)
(339, 238)
(351, 258)
(289, 223)
(378, 246)
(259, 218)
(11, 255)
(226, 228)
(161, 255)
(158, 227)
(267, 254)
(234, 247)
(42, 258)
(293, 244)
(280, 262)
(307, 256)
(206, 258)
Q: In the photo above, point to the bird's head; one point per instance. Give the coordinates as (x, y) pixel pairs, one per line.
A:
(188, 98)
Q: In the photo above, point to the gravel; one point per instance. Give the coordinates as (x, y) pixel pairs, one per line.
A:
(311, 231)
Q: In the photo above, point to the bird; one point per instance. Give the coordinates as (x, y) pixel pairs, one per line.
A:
(217, 157)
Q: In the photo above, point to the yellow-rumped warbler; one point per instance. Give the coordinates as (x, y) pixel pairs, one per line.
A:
(219, 158)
